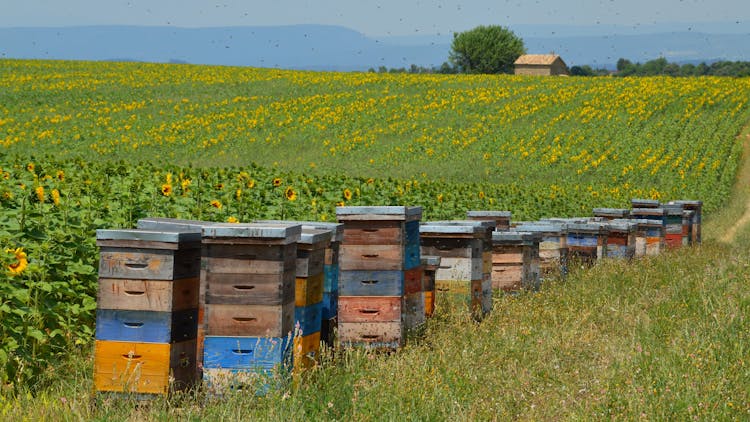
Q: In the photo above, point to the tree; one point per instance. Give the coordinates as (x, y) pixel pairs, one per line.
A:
(486, 49)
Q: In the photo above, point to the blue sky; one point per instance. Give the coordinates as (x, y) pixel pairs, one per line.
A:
(374, 17)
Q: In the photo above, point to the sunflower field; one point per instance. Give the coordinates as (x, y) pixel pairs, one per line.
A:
(99, 145)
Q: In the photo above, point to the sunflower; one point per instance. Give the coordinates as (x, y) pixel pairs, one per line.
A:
(166, 189)
(30, 167)
(40, 193)
(250, 183)
(347, 194)
(340, 203)
(60, 175)
(481, 194)
(232, 219)
(55, 197)
(290, 194)
(440, 197)
(238, 194)
(216, 204)
(276, 182)
(219, 186)
(21, 261)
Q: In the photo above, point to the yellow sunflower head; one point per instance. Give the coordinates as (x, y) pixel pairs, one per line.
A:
(347, 194)
(232, 219)
(250, 183)
(55, 197)
(20, 263)
(216, 204)
(60, 175)
(481, 194)
(39, 193)
(290, 194)
(30, 167)
(276, 182)
(238, 194)
(166, 189)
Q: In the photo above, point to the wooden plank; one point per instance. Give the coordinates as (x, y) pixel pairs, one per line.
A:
(331, 278)
(371, 257)
(414, 310)
(370, 308)
(460, 269)
(516, 257)
(451, 247)
(371, 334)
(148, 295)
(152, 368)
(487, 301)
(373, 233)
(250, 320)
(308, 290)
(283, 231)
(371, 283)
(330, 305)
(429, 303)
(148, 264)
(402, 213)
(249, 289)
(247, 352)
(151, 239)
(146, 326)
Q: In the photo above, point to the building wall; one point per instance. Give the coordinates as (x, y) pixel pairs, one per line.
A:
(534, 70)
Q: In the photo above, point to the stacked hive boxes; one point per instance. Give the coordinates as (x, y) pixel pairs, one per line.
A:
(515, 260)
(696, 207)
(673, 237)
(465, 255)
(553, 249)
(249, 274)
(611, 213)
(648, 236)
(587, 242)
(380, 274)
(430, 265)
(146, 321)
(656, 216)
(621, 239)
(308, 302)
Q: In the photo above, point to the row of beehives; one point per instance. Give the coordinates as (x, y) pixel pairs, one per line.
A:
(180, 298)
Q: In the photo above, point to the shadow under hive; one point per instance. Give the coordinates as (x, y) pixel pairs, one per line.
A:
(146, 322)
(380, 279)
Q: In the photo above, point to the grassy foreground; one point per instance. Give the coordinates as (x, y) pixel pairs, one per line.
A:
(662, 338)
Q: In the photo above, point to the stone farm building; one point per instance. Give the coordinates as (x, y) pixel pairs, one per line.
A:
(540, 65)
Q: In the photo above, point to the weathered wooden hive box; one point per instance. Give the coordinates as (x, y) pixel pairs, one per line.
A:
(697, 208)
(656, 236)
(380, 279)
(587, 242)
(430, 265)
(621, 240)
(515, 260)
(645, 203)
(250, 274)
(501, 218)
(673, 237)
(146, 322)
(465, 251)
(648, 236)
(553, 247)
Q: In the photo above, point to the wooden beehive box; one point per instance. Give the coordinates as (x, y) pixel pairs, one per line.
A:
(611, 213)
(553, 248)
(379, 275)
(621, 239)
(645, 203)
(430, 265)
(697, 208)
(515, 260)
(673, 223)
(587, 242)
(464, 248)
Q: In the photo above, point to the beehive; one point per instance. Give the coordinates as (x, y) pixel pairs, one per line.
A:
(587, 242)
(621, 239)
(464, 248)
(553, 248)
(250, 275)
(147, 311)
(611, 213)
(430, 265)
(515, 260)
(673, 223)
(697, 208)
(501, 218)
(380, 275)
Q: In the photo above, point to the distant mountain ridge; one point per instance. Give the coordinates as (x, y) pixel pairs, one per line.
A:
(323, 47)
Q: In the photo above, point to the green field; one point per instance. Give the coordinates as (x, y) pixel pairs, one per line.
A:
(99, 145)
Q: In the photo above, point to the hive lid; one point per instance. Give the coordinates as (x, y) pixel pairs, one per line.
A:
(647, 211)
(312, 236)
(456, 227)
(515, 236)
(591, 228)
(288, 231)
(488, 214)
(172, 224)
(336, 229)
(400, 213)
(611, 212)
(622, 226)
(148, 235)
(673, 209)
(688, 203)
(542, 227)
(645, 203)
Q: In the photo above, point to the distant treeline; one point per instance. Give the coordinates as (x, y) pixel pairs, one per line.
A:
(625, 67)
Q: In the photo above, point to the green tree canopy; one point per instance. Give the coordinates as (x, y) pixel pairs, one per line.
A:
(486, 49)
